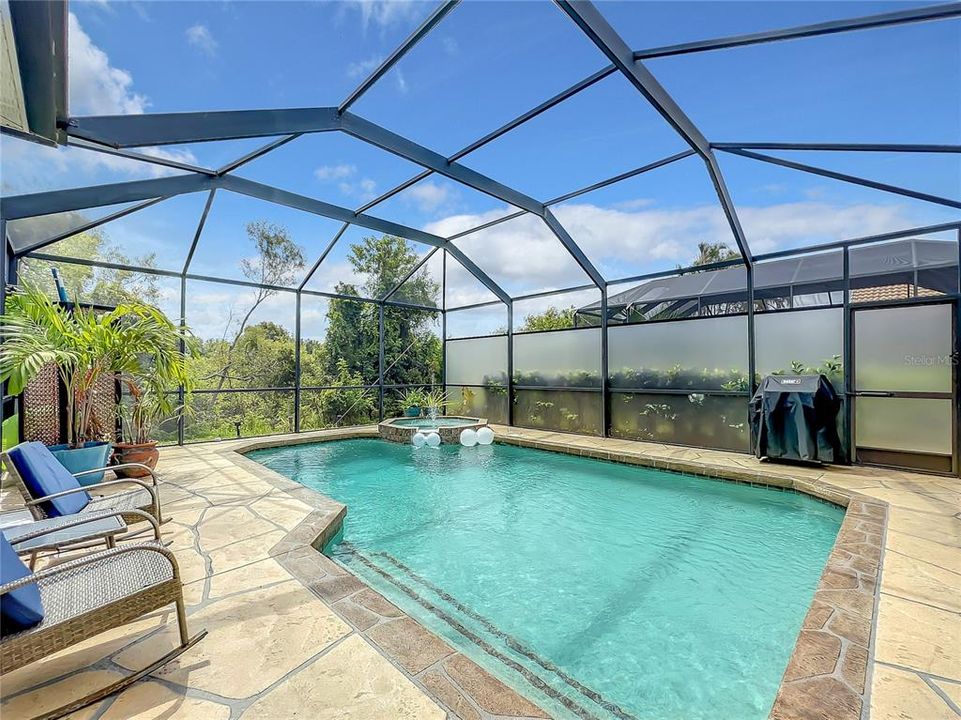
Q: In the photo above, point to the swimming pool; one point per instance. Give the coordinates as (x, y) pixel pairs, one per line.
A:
(597, 589)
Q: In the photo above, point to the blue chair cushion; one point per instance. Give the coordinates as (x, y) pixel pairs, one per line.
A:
(21, 608)
(43, 475)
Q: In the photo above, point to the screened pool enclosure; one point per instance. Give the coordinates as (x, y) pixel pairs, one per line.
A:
(610, 256)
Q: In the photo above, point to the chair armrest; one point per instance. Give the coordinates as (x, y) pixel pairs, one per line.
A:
(87, 518)
(108, 483)
(87, 560)
(139, 466)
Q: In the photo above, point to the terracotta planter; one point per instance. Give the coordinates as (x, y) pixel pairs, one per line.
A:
(143, 453)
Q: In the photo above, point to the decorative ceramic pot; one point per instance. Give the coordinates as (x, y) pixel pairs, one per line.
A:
(91, 456)
(144, 453)
(412, 412)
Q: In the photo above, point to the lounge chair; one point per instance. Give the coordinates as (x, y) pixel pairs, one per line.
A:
(49, 490)
(47, 611)
(64, 534)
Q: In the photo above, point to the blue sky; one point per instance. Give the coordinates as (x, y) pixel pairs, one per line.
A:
(486, 63)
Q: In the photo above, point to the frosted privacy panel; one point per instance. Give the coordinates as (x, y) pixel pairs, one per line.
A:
(711, 421)
(577, 411)
(481, 402)
(908, 424)
(477, 361)
(704, 354)
(803, 341)
(903, 349)
(566, 358)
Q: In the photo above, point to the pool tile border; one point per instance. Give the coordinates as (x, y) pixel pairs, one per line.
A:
(451, 679)
(827, 673)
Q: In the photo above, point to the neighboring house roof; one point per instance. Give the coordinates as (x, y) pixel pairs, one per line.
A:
(878, 271)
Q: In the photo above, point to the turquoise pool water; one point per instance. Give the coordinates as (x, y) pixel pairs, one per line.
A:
(599, 590)
(428, 423)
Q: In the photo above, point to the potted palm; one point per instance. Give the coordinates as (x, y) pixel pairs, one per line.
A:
(146, 409)
(435, 401)
(153, 360)
(134, 340)
(412, 402)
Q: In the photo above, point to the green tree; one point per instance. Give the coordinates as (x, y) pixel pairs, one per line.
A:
(551, 319)
(411, 349)
(352, 336)
(385, 261)
(708, 253)
(278, 262)
(99, 285)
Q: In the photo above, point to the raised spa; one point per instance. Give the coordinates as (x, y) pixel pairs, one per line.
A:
(596, 589)
(449, 427)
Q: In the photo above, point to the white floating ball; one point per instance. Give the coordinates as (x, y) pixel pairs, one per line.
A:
(433, 440)
(468, 438)
(418, 440)
(485, 436)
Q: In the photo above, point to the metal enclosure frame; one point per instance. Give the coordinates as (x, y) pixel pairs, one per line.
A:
(121, 135)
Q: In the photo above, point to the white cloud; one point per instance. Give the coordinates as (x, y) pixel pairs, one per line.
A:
(790, 224)
(362, 189)
(169, 153)
(331, 272)
(335, 172)
(200, 37)
(27, 167)
(215, 311)
(363, 68)
(96, 87)
(428, 195)
(525, 256)
(387, 13)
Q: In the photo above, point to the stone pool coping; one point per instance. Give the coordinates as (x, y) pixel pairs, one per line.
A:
(228, 530)
(449, 434)
(827, 674)
(449, 677)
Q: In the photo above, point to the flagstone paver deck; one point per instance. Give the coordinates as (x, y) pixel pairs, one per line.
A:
(292, 634)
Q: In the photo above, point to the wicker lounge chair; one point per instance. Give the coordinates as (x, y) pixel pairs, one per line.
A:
(32, 463)
(90, 595)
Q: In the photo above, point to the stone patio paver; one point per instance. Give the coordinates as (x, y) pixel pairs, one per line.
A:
(899, 694)
(153, 701)
(347, 683)
(305, 628)
(255, 638)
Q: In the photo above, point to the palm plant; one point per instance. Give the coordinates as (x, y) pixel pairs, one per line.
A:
(412, 400)
(436, 400)
(135, 340)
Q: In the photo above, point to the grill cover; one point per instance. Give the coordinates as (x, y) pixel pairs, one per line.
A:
(794, 417)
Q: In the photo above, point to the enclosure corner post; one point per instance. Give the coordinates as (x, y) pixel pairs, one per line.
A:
(510, 362)
(297, 373)
(443, 322)
(181, 394)
(848, 351)
(605, 369)
(380, 362)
